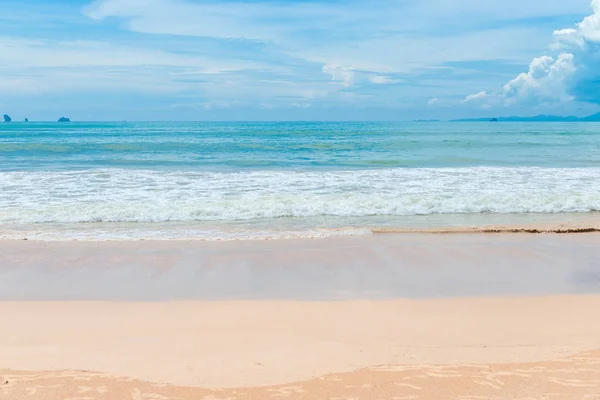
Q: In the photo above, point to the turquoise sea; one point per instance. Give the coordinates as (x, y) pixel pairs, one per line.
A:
(294, 179)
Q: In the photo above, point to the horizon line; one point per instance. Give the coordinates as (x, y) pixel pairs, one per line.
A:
(476, 119)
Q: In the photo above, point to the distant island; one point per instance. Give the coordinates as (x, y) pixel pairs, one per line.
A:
(7, 118)
(537, 118)
(64, 119)
(26, 119)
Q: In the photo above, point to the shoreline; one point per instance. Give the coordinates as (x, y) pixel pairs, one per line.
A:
(131, 232)
(303, 228)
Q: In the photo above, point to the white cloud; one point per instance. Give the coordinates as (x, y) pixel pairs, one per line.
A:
(433, 102)
(475, 97)
(589, 28)
(546, 80)
(348, 75)
(350, 33)
(22, 53)
(54, 66)
(270, 20)
(570, 75)
(566, 38)
(190, 56)
(177, 17)
(382, 80)
(340, 73)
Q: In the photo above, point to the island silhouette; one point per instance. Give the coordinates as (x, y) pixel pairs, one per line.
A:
(537, 118)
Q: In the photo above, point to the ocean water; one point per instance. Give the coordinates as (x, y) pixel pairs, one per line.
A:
(278, 180)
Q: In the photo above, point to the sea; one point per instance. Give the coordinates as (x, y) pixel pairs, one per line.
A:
(281, 180)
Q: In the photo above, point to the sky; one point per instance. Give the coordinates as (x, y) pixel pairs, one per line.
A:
(298, 59)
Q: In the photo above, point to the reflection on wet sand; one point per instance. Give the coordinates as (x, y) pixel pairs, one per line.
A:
(370, 267)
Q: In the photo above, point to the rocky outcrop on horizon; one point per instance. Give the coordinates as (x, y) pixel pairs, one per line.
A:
(7, 118)
(537, 118)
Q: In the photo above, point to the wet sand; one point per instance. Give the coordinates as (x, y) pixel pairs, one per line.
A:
(376, 267)
(378, 317)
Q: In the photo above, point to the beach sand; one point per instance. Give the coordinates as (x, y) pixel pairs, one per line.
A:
(515, 316)
(573, 377)
(495, 348)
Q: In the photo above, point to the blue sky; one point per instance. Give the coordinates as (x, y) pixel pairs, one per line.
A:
(298, 60)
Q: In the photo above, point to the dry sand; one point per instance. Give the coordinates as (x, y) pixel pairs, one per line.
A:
(250, 344)
(575, 377)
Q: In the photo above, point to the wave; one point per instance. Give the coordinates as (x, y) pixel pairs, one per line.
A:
(125, 195)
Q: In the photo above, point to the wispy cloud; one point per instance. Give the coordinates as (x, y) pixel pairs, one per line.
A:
(382, 80)
(340, 73)
(295, 57)
(475, 97)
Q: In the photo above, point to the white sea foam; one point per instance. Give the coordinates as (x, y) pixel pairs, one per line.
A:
(167, 231)
(162, 196)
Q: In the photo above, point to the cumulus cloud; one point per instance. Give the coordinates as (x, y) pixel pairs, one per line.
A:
(548, 79)
(433, 102)
(571, 74)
